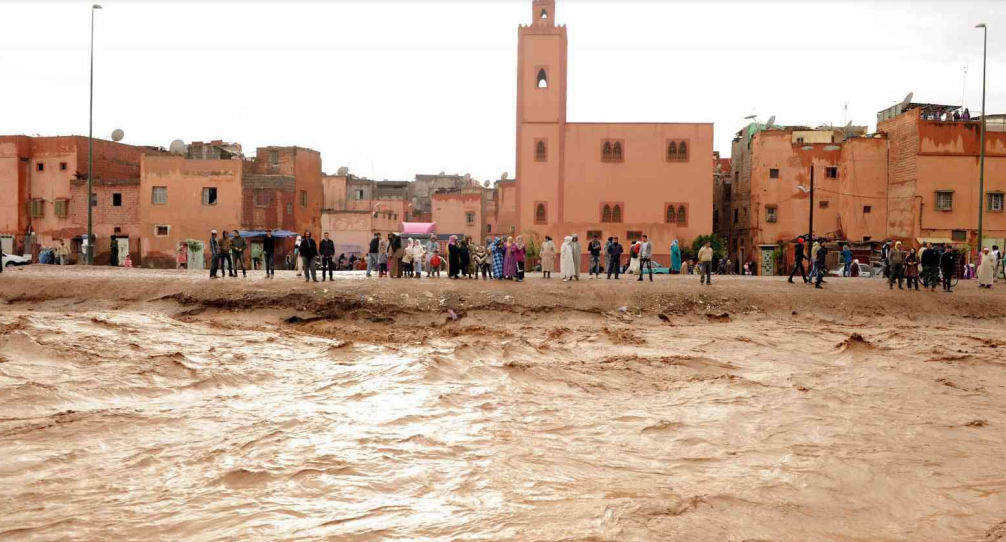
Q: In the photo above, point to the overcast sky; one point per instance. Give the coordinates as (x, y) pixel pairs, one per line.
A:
(395, 88)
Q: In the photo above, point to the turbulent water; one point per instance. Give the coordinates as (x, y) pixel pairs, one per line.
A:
(137, 426)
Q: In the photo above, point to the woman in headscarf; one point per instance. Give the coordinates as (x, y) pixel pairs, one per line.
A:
(912, 269)
(453, 257)
(633, 265)
(395, 256)
(566, 263)
(407, 258)
(432, 246)
(464, 258)
(418, 258)
(547, 257)
(497, 251)
(675, 257)
(510, 259)
(519, 254)
(382, 257)
(577, 255)
(986, 269)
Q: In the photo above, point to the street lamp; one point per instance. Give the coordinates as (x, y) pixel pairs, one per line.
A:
(981, 167)
(811, 192)
(90, 151)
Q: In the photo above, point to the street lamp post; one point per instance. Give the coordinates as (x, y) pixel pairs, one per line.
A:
(981, 167)
(90, 151)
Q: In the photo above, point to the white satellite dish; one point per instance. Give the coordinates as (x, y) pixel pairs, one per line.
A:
(505, 176)
(771, 121)
(177, 147)
(907, 100)
(486, 184)
(118, 134)
(343, 171)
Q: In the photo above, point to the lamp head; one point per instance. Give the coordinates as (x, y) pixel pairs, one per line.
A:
(96, 6)
(980, 25)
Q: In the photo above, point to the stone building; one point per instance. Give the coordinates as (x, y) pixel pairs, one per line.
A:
(355, 208)
(608, 179)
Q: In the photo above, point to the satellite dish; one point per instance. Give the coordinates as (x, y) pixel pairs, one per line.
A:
(343, 171)
(847, 126)
(907, 100)
(486, 184)
(442, 173)
(118, 134)
(505, 176)
(177, 147)
(771, 121)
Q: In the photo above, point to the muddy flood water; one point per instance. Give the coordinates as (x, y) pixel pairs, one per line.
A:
(136, 425)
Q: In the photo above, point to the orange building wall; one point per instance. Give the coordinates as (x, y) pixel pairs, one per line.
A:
(14, 183)
(506, 214)
(450, 210)
(863, 181)
(184, 213)
(308, 174)
(352, 222)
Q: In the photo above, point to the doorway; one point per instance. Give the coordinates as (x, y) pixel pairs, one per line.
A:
(121, 250)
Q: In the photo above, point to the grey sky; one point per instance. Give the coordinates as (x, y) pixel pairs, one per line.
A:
(394, 88)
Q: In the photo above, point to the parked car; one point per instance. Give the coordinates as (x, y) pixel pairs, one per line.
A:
(864, 270)
(10, 260)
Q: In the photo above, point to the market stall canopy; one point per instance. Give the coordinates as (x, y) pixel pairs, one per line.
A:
(261, 233)
(419, 228)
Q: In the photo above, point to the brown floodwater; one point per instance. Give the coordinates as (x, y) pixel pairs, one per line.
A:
(133, 425)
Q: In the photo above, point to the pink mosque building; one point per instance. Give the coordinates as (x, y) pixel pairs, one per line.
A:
(624, 179)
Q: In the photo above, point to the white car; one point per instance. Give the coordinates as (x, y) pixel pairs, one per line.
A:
(864, 271)
(10, 260)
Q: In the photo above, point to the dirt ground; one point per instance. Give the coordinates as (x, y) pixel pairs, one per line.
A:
(161, 405)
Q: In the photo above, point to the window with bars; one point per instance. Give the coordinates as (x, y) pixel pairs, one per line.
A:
(303, 198)
(469, 218)
(612, 151)
(682, 215)
(262, 197)
(959, 235)
(631, 236)
(995, 202)
(540, 151)
(831, 173)
(616, 213)
(672, 215)
(37, 207)
(159, 195)
(606, 213)
(540, 214)
(944, 201)
(677, 151)
(771, 214)
(62, 207)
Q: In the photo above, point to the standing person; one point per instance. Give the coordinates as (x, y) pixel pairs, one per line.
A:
(296, 254)
(675, 257)
(418, 258)
(594, 249)
(607, 245)
(547, 256)
(577, 256)
(382, 256)
(948, 264)
(479, 259)
(510, 259)
(996, 262)
(912, 269)
(614, 258)
(225, 247)
(309, 253)
(407, 253)
(114, 260)
(815, 247)
(63, 252)
(930, 267)
(520, 252)
(216, 255)
(566, 259)
(986, 269)
(372, 253)
(464, 258)
(846, 260)
(395, 256)
(453, 257)
(498, 253)
(645, 257)
(327, 251)
(706, 263)
(183, 255)
(897, 258)
(822, 255)
(631, 264)
(269, 254)
(432, 246)
(238, 247)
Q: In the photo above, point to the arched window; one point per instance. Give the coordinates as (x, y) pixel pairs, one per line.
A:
(683, 151)
(540, 152)
(606, 154)
(616, 213)
(544, 13)
(672, 215)
(672, 151)
(542, 78)
(617, 153)
(682, 218)
(606, 214)
(539, 213)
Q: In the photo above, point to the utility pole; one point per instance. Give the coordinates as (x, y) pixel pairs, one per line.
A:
(90, 152)
(811, 241)
(981, 167)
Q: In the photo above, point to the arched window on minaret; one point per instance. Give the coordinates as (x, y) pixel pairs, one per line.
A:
(672, 216)
(682, 218)
(672, 154)
(544, 14)
(606, 214)
(683, 151)
(617, 152)
(606, 153)
(539, 214)
(540, 152)
(542, 78)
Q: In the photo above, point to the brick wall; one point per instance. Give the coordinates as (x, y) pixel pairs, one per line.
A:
(903, 147)
(105, 212)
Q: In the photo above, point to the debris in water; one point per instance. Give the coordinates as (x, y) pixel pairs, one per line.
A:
(454, 315)
(664, 317)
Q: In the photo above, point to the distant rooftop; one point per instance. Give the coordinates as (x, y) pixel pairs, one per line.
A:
(925, 109)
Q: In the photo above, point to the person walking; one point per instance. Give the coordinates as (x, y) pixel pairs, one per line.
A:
(372, 253)
(182, 258)
(238, 247)
(912, 269)
(706, 263)
(566, 259)
(309, 255)
(269, 254)
(547, 255)
(632, 265)
(846, 260)
(327, 250)
(296, 254)
(645, 255)
(930, 267)
(986, 269)
(897, 259)
(594, 249)
(819, 264)
(63, 251)
(815, 247)
(614, 258)
(607, 245)
(216, 255)
(382, 256)
(453, 257)
(948, 264)
(577, 256)
(675, 257)
(996, 262)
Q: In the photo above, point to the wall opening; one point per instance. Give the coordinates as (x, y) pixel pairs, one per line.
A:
(542, 78)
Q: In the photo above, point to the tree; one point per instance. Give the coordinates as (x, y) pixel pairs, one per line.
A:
(719, 248)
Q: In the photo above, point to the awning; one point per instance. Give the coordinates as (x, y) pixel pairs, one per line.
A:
(261, 233)
(419, 227)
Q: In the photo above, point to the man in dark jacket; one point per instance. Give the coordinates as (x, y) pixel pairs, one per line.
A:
(614, 258)
(309, 255)
(594, 248)
(327, 250)
(216, 255)
(822, 253)
(799, 256)
(930, 267)
(238, 246)
(375, 248)
(948, 264)
(269, 254)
